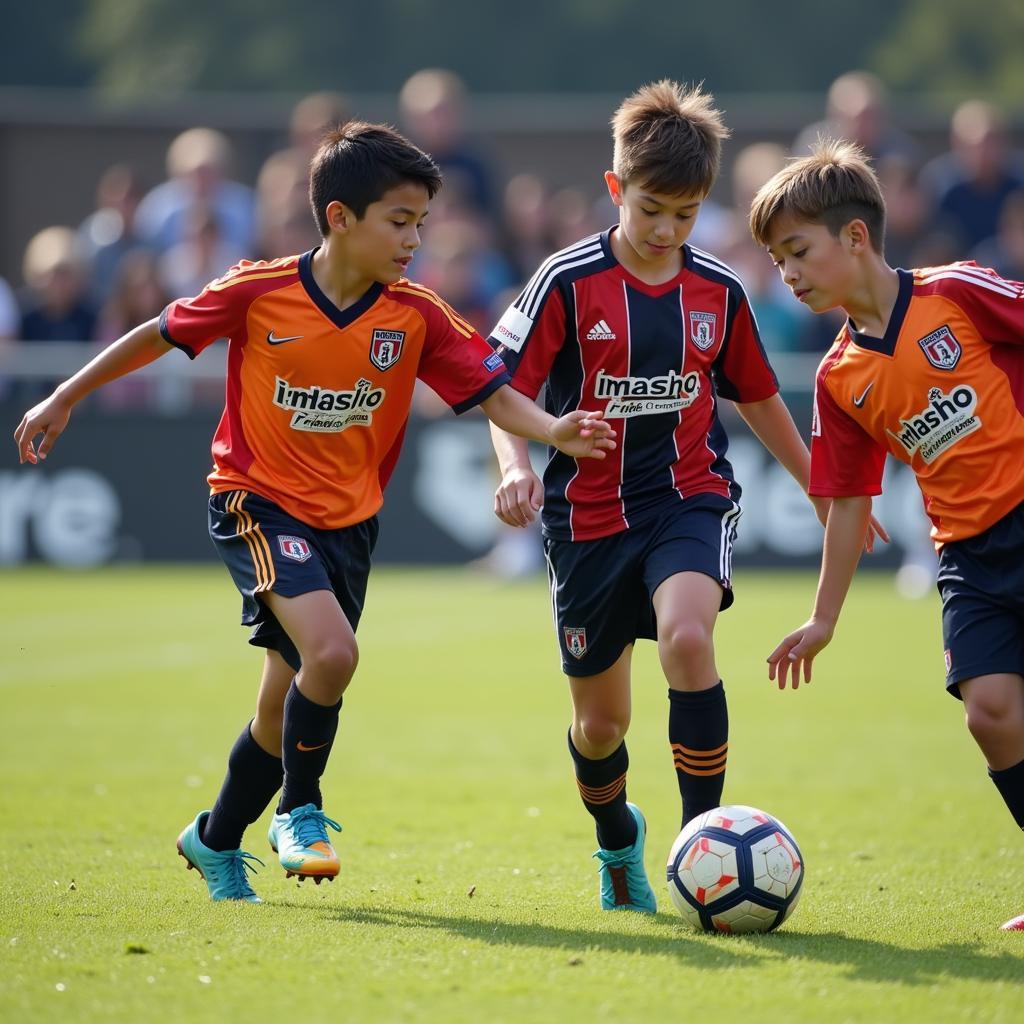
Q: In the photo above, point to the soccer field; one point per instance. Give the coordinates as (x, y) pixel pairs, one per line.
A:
(467, 891)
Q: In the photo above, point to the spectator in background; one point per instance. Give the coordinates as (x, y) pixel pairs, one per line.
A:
(969, 184)
(285, 225)
(198, 162)
(857, 109)
(432, 109)
(1004, 251)
(108, 233)
(907, 208)
(55, 305)
(10, 316)
(202, 255)
(524, 224)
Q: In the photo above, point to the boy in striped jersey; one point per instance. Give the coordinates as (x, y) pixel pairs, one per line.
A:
(324, 350)
(929, 368)
(635, 321)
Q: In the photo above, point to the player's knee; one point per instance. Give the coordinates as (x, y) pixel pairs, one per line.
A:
(603, 732)
(685, 643)
(989, 713)
(333, 660)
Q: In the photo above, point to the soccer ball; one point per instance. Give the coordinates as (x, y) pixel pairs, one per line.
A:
(735, 869)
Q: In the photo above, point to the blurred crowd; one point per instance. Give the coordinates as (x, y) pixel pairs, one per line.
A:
(145, 244)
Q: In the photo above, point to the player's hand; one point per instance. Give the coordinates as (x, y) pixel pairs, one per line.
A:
(875, 528)
(796, 653)
(519, 497)
(48, 418)
(582, 434)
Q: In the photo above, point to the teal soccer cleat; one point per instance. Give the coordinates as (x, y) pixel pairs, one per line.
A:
(624, 884)
(224, 871)
(299, 838)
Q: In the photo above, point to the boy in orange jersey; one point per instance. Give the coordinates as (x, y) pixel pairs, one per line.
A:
(324, 352)
(930, 369)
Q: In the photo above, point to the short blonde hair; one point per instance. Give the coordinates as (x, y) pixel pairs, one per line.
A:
(832, 186)
(668, 138)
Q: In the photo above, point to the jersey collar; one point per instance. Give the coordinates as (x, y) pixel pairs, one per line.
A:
(339, 317)
(886, 345)
(654, 290)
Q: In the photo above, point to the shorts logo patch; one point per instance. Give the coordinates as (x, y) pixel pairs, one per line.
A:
(948, 655)
(294, 548)
(702, 329)
(941, 348)
(386, 348)
(575, 640)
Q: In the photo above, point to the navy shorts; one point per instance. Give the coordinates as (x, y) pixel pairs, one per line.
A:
(981, 580)
(266, 549)
(602, 590)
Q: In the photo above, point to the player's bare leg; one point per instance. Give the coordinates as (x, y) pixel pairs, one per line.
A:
(327, 647)
(994, 707)
(686, 606)
(601, 715)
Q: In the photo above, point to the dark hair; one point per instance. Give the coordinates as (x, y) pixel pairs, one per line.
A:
(357, 163)
(832, 186)
(668, 138)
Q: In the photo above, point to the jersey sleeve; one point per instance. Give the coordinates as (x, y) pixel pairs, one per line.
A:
(456, 361)
(741, 370)
(528, 345)
(218, 311)
(994, 305)
(846, 462)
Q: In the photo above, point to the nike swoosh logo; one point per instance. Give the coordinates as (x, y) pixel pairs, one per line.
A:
(302, 746)
(273, 339)
(859, 399)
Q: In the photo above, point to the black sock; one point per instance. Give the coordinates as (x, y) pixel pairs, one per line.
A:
(1010, 783)
(309, 730)
(253, 777)
(602, 786)
(698, 730)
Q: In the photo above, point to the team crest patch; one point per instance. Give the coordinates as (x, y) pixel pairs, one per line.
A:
(294, 548)
(948, 655)
(575, 640)
(941, 348)
(386, 348)
(702, 329)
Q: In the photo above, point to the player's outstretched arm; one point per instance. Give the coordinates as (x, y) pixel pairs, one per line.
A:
(580, 434)
(844, 538)
(520, 494)
(49, 418)
(773, 425)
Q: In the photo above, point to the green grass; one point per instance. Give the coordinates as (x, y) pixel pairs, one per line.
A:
(467, 891)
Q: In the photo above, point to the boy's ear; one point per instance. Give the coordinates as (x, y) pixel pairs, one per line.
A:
(611, 179)
(855, 234)
(339, 216)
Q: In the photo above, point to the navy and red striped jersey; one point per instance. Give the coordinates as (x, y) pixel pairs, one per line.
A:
(655, 358)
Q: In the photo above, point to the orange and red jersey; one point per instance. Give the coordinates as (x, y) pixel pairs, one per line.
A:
(943, 391)
(317, 398)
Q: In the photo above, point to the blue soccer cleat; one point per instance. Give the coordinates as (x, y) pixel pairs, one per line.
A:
(224, 871)
(299, 838)
(624, 884)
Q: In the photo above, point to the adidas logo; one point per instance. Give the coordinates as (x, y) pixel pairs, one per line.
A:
(601, 332)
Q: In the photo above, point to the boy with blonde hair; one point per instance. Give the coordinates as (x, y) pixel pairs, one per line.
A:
(637, 322)
(929, 368)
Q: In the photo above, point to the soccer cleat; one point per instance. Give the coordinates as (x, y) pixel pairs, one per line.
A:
(624, 884)
(1015, 924)
(299, 839)
(223, 870)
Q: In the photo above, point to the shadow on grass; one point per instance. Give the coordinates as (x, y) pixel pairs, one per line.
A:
(863, 959)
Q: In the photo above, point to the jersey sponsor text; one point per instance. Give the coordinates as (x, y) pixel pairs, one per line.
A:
(647, 396)
(325, 411)
(945, 420)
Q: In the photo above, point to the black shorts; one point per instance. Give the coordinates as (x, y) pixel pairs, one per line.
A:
(981, 580)
(266, 549)
(602, 590)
